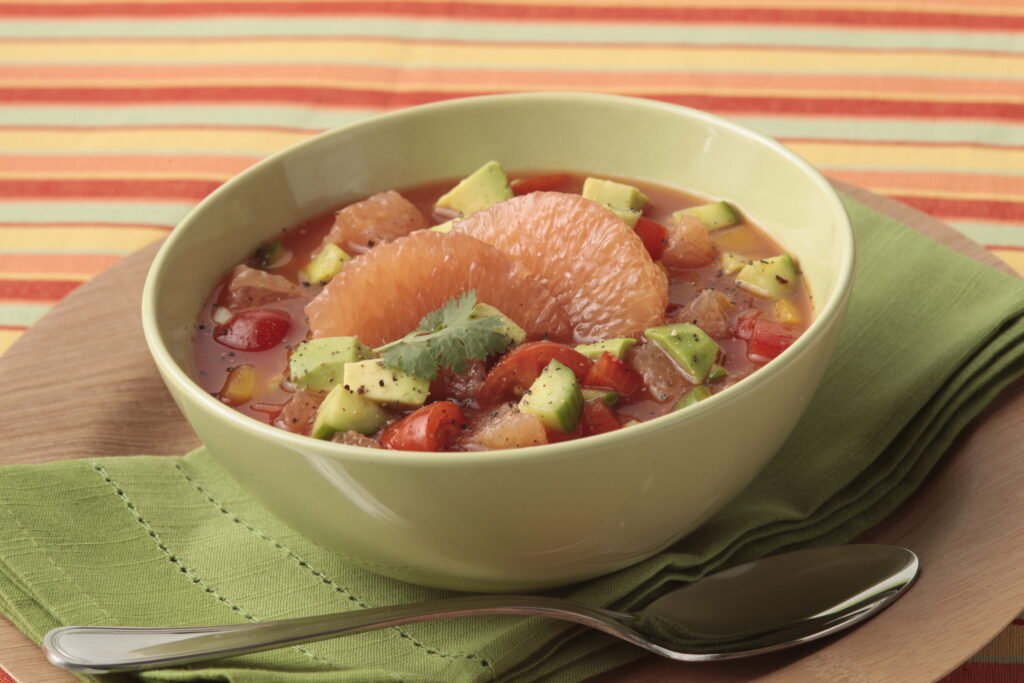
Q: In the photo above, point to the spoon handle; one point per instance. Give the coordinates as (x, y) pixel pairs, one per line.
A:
(104, 649)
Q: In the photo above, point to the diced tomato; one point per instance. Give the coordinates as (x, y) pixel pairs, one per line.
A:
(744, 328)
(255, 330)
(654, 236)
(769, 339)
(239, 385)
(431, 428)
(598, 418)
(539, 183)
(611, 373)
(517, 370)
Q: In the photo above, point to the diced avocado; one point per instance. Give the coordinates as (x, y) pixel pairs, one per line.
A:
(555, 398)
(772, 277)
(617, 347)
(344, 411)
(689, 346)
(273, 255)
(717, 373)
(625, 201)
(696, 394)
(630, 423)
(731, 263)
(370, 379)
(609, 397)
(714, 215)
(508, 327)
(485, 186)
(444, 227)
(326, 264)
(319, 364)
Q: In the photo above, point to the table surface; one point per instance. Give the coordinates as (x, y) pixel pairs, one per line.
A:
(116, 117)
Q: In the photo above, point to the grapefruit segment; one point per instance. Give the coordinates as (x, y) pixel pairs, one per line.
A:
(382, 295)
(384, 217)
(595, 265)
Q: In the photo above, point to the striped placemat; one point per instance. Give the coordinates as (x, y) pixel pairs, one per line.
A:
(117, 116)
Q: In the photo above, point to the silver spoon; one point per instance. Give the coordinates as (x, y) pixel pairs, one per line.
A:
(758, 607)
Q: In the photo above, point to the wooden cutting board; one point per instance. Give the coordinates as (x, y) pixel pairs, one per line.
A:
(80, 383)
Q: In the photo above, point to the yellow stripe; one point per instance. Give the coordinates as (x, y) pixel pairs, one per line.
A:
(880, 6)
(71, 277)
(867, 155)
(77, 239)
(7, 338)
(1014, 258)
(209, 141)
(521, 56)
(538, 83)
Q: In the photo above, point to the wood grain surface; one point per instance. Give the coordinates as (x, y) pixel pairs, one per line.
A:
(966, 524)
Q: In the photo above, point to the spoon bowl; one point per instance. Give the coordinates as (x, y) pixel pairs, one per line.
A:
(761, 606)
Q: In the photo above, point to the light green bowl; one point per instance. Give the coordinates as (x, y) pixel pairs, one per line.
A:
(524, 519)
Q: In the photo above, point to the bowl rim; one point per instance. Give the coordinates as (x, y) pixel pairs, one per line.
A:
(826, 317)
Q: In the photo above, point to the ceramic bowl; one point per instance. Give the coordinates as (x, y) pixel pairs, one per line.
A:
(510, 520)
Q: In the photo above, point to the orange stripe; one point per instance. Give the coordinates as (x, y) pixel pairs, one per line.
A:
(400, 78)
(56, 264)
(107, 188)
(87, 164)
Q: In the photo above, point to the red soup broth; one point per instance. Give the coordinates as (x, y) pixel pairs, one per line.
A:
(663, 386)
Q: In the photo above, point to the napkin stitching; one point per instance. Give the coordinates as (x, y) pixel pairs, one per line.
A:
(119, 492)
(318, 573)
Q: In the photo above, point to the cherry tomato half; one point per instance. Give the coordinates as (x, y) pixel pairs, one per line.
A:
(611, 373)
(517, 370)
(430, 428)
(769, 339)
(256, 330)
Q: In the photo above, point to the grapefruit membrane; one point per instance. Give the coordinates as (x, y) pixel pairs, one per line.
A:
(382, 295)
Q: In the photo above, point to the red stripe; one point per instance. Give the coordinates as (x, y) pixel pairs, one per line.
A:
(1008, 247)
(107, 188)
(984, 672)
(966, 208)
(11, 328)
(36, 290)
(386, 99)
(540, 12)
(1015, 622)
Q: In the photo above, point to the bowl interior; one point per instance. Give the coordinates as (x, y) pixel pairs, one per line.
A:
(596, 134)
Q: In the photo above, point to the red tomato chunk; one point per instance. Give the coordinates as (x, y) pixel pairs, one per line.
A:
(431, 428)
(255, 330)
(517, 370)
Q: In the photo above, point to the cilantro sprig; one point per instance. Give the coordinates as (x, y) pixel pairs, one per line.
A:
(446, 338)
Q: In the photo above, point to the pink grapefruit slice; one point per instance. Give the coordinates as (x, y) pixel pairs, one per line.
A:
(382, 295)
(594, 264)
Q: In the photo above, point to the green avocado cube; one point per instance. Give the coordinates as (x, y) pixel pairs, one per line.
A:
(773, 277)
(731, 263)
(609, 397)
(625, 201)
(714, 216)
(319, 364)
(327, 263)
(344, 411)
(717, 373)
(555, 398)
(508, 326)
(693, 396)
(483, 187)
(370, 379)
(689, 346)
(617, 347)
(444, 227)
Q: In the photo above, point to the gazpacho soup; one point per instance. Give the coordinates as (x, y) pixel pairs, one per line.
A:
(484, 314)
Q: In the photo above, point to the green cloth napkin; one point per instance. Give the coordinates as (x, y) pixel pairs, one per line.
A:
(930, 339)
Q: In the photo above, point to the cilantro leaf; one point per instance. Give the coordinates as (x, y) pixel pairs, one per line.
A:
(446, 338)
